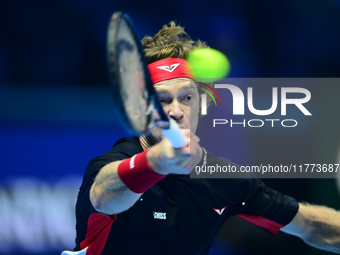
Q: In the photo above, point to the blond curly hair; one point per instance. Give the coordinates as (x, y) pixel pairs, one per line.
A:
(172, 42)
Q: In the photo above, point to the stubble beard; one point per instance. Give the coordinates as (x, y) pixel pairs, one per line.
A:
(155, 136)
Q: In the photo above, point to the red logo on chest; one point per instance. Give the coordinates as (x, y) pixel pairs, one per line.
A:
(219, 211)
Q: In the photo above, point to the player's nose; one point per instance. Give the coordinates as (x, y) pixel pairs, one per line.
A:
(175, 111)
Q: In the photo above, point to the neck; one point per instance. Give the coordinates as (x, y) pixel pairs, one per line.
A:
(148, 141)
(144, 142)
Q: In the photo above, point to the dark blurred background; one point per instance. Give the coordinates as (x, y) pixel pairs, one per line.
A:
(56, 110)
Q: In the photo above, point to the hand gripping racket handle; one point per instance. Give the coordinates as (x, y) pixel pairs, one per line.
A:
(175, 135)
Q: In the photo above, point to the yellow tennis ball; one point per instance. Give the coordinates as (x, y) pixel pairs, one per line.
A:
(208, 64)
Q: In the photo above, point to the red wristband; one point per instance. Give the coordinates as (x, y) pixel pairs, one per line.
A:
(136, 173)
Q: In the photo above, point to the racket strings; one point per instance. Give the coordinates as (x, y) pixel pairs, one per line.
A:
(132, 85)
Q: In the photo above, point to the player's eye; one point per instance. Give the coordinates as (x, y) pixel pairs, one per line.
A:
(187, 98)
(162, 100)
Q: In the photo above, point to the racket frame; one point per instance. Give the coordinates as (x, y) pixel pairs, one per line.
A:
(169, 126)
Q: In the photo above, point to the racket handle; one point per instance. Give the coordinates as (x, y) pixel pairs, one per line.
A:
(175, 135)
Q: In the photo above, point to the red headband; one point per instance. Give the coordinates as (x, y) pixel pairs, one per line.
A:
(169, 68)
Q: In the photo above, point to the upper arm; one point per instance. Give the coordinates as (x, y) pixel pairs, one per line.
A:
(271, 206)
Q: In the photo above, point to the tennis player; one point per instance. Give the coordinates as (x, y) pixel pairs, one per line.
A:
(138, 198)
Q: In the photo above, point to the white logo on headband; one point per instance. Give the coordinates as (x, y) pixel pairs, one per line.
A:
(169, 69)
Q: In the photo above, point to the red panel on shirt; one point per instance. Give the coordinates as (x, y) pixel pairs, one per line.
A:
(272, 226)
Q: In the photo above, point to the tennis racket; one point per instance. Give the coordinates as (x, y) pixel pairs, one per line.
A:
(134, 96)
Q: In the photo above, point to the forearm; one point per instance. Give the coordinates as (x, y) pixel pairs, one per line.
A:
(318, 226)
(323, 227)
(109, 194)
(119, 184)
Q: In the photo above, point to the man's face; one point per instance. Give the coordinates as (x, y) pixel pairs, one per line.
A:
(180, 101)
